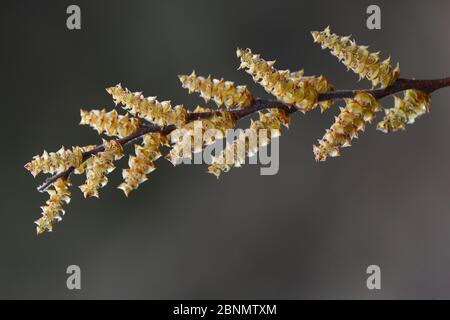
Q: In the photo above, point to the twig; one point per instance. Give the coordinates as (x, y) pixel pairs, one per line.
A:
(260, 104)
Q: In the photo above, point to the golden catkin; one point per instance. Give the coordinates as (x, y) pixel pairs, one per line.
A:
(53, 209)
(110, 123)
(414, 104)
(191, 138)
(141, 164)
(54, 162)
(287, 89)
(149, 108)
(321, 85)
(100, 165)
(82, 167)
(357, 112)
(221, 91)
(249, 141)
(357, 58)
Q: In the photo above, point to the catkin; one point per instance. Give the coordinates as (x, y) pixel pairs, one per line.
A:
(53, 209)
(353, 117)
(100, 165)
(249, 141)
(110, 123)
(287, 89)
(221, 91)
(357, 58)
(54, 162)
(141, 164)
(414, 104)
(149, 108)
(191, 138)
(321, 85)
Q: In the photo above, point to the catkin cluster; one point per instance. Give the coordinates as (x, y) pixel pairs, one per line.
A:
(358, 58)
(321, 85)
(351, 120)
(249, 141)
(110, 123)
(143, 163)
(150, 109)
(414, 104)
(194, 136)
(292, 90)
(221, 91)
(99, 166)
(53, 209)
(56, 161)
(154, 126)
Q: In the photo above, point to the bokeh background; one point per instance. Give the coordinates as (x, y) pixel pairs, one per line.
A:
(308, 232)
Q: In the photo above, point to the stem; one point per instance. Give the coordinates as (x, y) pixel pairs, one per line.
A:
(428, 86)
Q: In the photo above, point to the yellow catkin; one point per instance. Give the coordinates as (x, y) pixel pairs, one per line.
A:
(321, 85)
(100, 165)
(110, 123)
(414, 104)
(150, 109)
(82, 167)
(249, 141)
(357, 58)
(53, 209)
(357, 112)
(221, 91)
(141, 164)
(286, 88)
(188, 139)
(53, 162)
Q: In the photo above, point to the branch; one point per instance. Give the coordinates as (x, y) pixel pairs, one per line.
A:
(260, 104)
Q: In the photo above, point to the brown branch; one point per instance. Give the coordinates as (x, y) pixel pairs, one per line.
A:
(260, 104)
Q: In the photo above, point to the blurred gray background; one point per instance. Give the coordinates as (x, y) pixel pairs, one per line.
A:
(308, 232)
